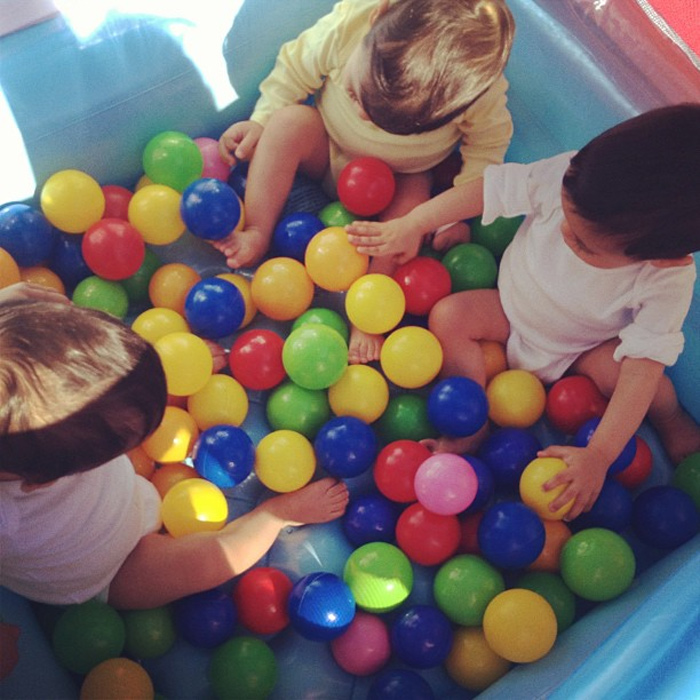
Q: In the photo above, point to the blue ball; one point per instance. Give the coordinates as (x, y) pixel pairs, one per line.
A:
(400, 684)
(214, 308)
(370, 518)
(210, 208)
(206, 619)
(224, 454)
(486, 487)
(457, 406)
(665, 517)
(612, 509)
(507, 451)
(26, 234)
(422, 636)
(320, 606)
(238, 178)
(624, 459)
(293, 233)
(345, 447)
(511, 535)
(67, 260)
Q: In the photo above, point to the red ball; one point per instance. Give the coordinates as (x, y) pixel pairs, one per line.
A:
(116, 202)
(395, 469)
(639, 469)
(424, 281)
(366, 186)
(571, 401)
(261, 596)
(469, 526)
(256, 359)
(113, 249)
(425, 537)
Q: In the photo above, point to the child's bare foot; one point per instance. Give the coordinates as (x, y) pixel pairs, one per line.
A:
(457, 445)
(680, 435)
(243, 248)
(450, 236)
(317, 502)
(364, 347)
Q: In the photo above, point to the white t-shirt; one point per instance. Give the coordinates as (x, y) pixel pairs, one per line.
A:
(65, 542)
(559, 306)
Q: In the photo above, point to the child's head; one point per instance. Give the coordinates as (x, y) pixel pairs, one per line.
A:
(77, 388)
(640, 182)
(427, 61)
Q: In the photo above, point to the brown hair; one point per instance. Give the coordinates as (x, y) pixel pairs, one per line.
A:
(77, 388)
(429, 60)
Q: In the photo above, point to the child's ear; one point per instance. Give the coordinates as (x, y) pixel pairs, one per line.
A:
(673, 262)
(378, 11)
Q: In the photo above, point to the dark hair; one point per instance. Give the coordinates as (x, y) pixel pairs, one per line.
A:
(77, 388)
(640, 181)
(428, 61)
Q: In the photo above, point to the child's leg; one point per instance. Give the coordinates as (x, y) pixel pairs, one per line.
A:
(294, 139)
(161, 568)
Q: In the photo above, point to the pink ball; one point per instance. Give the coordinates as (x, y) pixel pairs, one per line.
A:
(446, 484)
(364, 647)
(214, 166)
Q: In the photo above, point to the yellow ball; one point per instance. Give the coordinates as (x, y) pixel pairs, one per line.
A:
(282, 289)
(361, 392)
(72, 201)
(375, 303)
(116, 679)
(221, 401)
(9, 270)
(43, 277)
(471, 662)
(534, 476)
(170, 285)
(411, 357)
(332, 262)
(285, 461)
(194, 505)
(516, 398)
(154, 211)
(154, 323)
(520, 625)
(173, 439)
(187, 362)
(243, 284)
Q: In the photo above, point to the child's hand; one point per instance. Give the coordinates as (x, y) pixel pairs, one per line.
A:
(583, 479)
(25, 291)
(380, 239)
(239, 141)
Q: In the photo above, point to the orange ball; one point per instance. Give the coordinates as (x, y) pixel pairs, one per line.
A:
(170, 285)
(516, 398)
(494, 358)
(282, 289)
(116, 679)
(143, 464)
(9, 270)
(556, 535)
(173, 439)
(471, 662)
(43, 277)
(167, 475)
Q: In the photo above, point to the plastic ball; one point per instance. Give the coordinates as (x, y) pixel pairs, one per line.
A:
(597, 564)
(380, 576)
(326, 317)
(243, 667)
(206, 619)
(507, 451)
(511, 535)
(104, 295)
(362, 392)
(136, 285)
(612, 509)
(400, 684)
(624, 459)
(665, 517)
(335, 214)
(292, 407)
(117, 200)
(445, 483)
(282, 289)
(115, 679)
(364, 648)
(553, 589)
(687, 477)
(556, 535)
(470, 266)
(472, 663)
(261, 596)
(516, 398)
(571, 401)
(345, 447)
(486, 484)
(214, 308)
(411, 357)
(187, 362)
(87, 634)
(495, 360)
(395, 469)
(425, 537)
(154, 323)
(172, 158)
(256, 359)
(72, 200)
(293, 233)
(210, 209)
(321, 606)
(332, 262)
(194, 505)
(150, 633)
(243, 284)
(67, 260)
(424, 281)
(532, 480)
(469, 524)
(640, 468)
(405, 418)
(113, 249)
(170, 285)
(520, 625)
(284, 461)
(41, 276)
(315, 356)
(366, 186)
(9, 270)
(457, 406)
(421, 636)
(154, 211)
(370, 518)
(224, 454)
(497, 235)
(167, 475)
(143, 465)
(213, 164)
(173, 439)
(375, 303)
(25, 234)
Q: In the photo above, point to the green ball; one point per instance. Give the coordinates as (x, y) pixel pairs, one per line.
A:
(464, 586)
(597, 564)
(335, 214)
(686, 477)
(244, 668)
(315, 356)
(104, 295)
(291, 407)
(405, 418)
(87, 634)
(553, 589)
(379, 575)
(471, 266)
(497, 235)
(326, 317)
(136, 286)
(172, 158)
(149, 633)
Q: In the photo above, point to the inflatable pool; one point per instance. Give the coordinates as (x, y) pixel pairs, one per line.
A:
(88, 91)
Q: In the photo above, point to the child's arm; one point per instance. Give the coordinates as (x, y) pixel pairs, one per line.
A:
(402, 235)
(587, 466)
